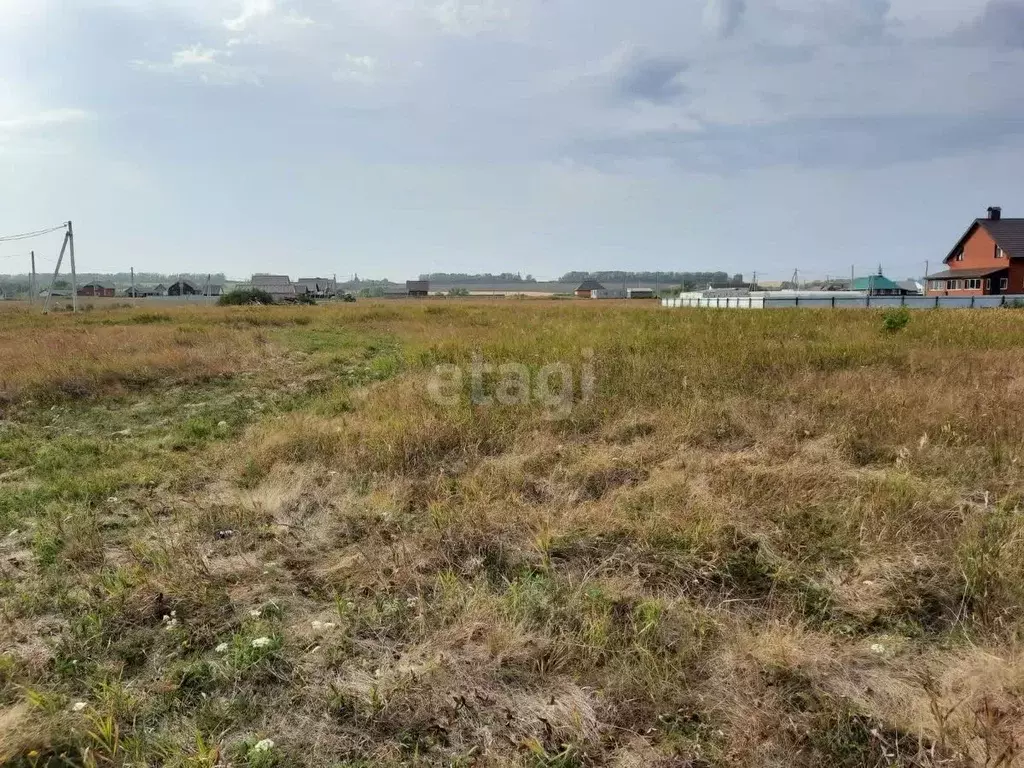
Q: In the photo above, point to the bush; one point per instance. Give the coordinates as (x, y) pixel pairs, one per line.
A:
(305, 298)
(246, 296)
(894, 320)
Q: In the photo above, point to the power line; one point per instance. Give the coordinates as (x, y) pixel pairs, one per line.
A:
(29, 235)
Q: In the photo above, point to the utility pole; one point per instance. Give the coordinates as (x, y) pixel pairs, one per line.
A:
(32, 298)
(74, 280)
(133, 284)
(753, 285)
(852, 278)
(56, 271)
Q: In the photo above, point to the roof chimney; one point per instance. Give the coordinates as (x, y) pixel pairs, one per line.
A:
(995, 213)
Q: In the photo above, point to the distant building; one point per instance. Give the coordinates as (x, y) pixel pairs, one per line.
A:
(911, 287)
(195, 288)
(98, 289)
(586, 289)
(877, 285)
(640, 293)
(988, 259)
(317, 287)
(280, 287)
(417, 288)
(142, 291)
(607, 293)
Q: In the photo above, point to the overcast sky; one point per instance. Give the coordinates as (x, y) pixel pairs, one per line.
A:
(394, 137)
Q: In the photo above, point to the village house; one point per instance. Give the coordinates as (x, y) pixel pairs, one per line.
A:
(880, 285)
(143, 291)
(280, 287)
(417, 288)
(98, 289)
(987, 260)
(205, 287)
(317, 287)
(587, 287)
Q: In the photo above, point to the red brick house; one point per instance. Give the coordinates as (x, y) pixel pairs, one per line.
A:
(987, 260)
(97, 289)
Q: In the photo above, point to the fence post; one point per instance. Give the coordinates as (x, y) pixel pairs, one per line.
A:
(833, 302)
(936, 302)
(903, 299)
(869, 300)
(1002, 300)
(797, 300)
(972, 302)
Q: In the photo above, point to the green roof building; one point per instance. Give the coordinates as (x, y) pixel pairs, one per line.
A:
(877, 285)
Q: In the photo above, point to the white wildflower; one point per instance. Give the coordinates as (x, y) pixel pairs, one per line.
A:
(263, 745)
(112, 500)
(222, 648)
(78, 706)
(222, 424)
(412, 602)
(255, 613)
(261, 642)
(877, 648)
(171, 624)
(323, 625)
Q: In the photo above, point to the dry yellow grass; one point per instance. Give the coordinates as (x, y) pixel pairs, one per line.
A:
(768, 539)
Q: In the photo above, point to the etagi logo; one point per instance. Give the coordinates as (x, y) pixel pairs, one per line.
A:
(556, 386)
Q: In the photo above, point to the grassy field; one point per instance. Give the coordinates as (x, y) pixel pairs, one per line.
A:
(259, 537)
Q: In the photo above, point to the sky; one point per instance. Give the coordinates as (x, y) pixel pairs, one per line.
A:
(389, 138)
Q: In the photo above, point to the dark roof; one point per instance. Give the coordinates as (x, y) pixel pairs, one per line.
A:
(909, 285)
(1008, 234)
(590, 285)
(978, 272)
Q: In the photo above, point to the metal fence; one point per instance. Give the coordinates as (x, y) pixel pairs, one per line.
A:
(846, 302)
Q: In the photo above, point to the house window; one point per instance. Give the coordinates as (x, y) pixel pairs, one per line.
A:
(972, 284)
(988, 283)
(999, 252)
(1004, 283)
(938, 285)
(959, 254)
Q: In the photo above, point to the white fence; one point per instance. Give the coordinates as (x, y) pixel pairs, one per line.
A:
(844, 302)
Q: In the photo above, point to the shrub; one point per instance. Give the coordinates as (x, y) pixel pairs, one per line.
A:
(245, 296)
(894, 320)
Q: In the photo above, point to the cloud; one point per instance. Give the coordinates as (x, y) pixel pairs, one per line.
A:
(252, 10)
(1001, 23)
(654, 79)
(471, 17)
(356, 69)
(723, 17)
(46, 118)
(205, 63)
(844, 142)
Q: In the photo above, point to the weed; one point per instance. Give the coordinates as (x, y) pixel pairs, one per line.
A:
(894, 320)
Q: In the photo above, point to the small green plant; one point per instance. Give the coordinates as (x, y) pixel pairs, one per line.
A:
(895, 320)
